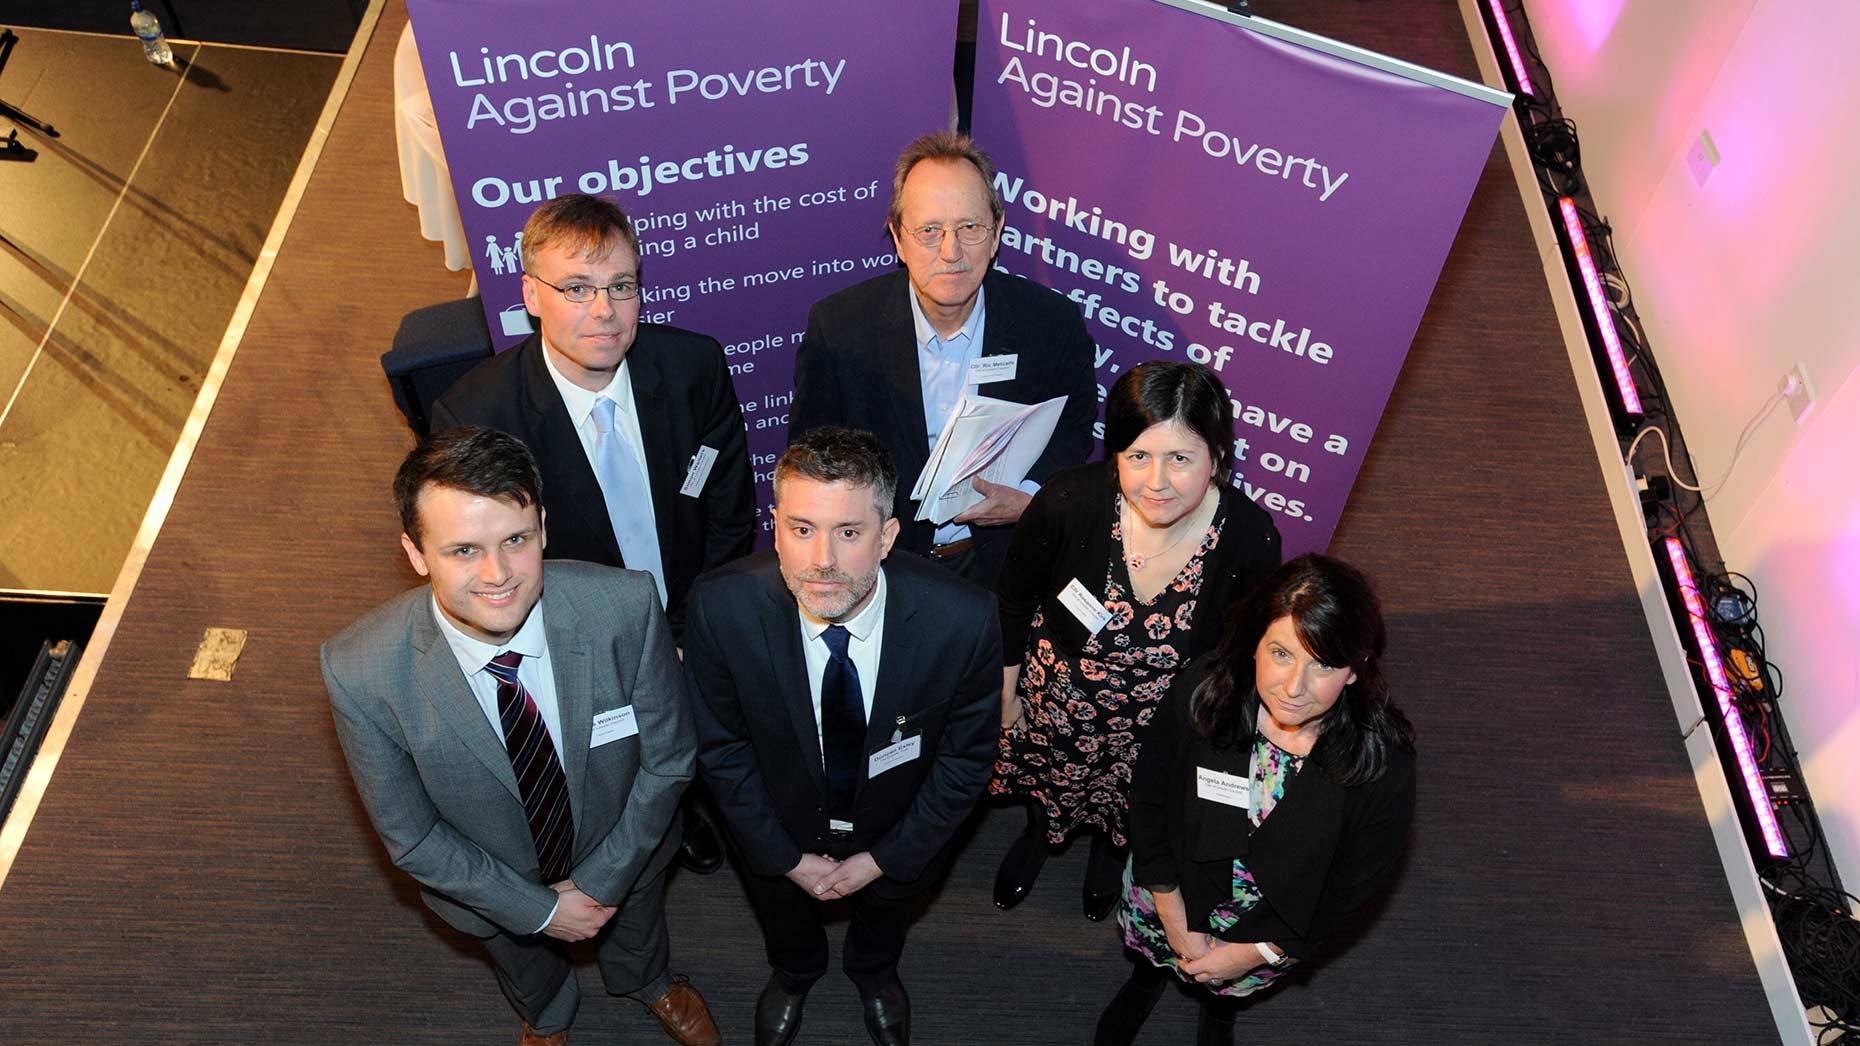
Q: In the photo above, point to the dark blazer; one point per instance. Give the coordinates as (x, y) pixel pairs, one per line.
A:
(686, 400)
(1066, 533)
(857, 366)
(759, 746)
(1324, 851)
(436, 780)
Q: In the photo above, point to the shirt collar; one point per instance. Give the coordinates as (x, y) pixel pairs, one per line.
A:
(926, 333)
(862, 623)
(580, 401)
(473, 654)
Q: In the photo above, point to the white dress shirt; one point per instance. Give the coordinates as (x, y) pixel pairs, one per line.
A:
(866, 632)
(534, 670)
(580, 404)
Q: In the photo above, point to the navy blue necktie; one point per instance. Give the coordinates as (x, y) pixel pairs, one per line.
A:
(842, 724)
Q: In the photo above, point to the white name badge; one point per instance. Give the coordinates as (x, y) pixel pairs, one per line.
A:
(984, 369)
(698, 471)
(612, 725)
(1226, 789)
(1084, 606)
(893, 756)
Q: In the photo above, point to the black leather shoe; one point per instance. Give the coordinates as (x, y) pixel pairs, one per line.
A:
(1019, 869)
(888, 1015)
(702, 849)
(778, 1014)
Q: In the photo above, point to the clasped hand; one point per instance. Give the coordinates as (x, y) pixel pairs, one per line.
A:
(577, 916)
(825, 879)
(1221, 961)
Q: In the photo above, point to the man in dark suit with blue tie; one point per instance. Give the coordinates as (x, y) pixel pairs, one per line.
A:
(847, 709)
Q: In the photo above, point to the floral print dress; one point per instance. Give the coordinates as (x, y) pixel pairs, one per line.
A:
(1075, 749)
(1273, 768)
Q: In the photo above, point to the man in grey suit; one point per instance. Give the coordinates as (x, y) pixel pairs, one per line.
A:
(519, 735)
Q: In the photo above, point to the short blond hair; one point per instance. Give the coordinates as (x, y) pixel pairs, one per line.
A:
(583, 224)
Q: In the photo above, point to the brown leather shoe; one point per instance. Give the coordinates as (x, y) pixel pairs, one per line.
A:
(530, 1038)
(687, 1020)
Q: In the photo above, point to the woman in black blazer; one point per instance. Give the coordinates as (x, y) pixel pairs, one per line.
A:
(1272, 797)
(1153, 545)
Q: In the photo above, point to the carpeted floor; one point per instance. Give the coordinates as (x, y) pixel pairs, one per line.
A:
(201, 870)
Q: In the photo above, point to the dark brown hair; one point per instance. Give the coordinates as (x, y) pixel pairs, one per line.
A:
(1334, 609)
(479, 461)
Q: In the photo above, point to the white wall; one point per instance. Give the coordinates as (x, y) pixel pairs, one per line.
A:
(1737, 282)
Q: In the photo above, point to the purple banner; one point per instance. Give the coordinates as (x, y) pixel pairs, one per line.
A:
(1225, 190)
(751, 143)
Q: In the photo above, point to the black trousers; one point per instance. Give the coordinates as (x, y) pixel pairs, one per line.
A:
(795, 934)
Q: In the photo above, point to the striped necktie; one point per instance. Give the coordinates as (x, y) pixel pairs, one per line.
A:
(540, 780)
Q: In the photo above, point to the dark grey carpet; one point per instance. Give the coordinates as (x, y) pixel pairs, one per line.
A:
(201, 870)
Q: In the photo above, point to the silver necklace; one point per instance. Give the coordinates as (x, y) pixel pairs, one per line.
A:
(1136, 560)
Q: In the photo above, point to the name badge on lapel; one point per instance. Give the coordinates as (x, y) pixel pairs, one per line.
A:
(985, 369)
(1226, 789)
(904, 748)
(612, 725)
(698, 471)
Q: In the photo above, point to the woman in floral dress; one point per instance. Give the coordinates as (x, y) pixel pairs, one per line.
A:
(1272, 797)
(1118, 574)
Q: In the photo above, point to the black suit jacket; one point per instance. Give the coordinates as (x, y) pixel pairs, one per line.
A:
(857, 366)
(1324, 851)
(759, 747)
(686, 400)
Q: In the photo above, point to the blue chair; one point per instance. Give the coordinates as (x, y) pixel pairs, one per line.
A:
(434, 347)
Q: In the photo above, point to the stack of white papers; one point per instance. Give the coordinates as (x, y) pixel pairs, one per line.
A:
(995, 439)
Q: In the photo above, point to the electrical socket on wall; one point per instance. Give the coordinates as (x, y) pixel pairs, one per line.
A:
(1797, 392)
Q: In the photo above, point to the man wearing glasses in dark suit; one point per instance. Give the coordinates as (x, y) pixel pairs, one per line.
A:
(893, 354)
(636, 426)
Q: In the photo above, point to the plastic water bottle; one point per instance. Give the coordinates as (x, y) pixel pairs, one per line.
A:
(148, 29)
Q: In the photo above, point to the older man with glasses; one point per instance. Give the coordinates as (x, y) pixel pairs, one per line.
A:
(892, 355)
(636, 426)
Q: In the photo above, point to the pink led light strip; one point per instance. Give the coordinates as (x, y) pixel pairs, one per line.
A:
(1598, 304)
(1511, 47)
(1721, 686)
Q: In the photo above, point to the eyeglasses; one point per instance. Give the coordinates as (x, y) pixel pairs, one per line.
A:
(969, 234)
(583, 293)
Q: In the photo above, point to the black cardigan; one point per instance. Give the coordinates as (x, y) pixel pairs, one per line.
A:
(1066, 533)
(1324, 851)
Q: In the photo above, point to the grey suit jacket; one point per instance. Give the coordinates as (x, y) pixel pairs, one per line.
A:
(438, 786)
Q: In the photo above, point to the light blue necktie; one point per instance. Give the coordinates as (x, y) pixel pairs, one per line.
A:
(629, 501)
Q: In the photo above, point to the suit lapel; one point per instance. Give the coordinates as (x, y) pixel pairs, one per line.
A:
(568, 479)
(781, 630)
(442, 685)
(664, 472)
(572, 667)
(897, 341)
(999, 338)
(897, 665)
